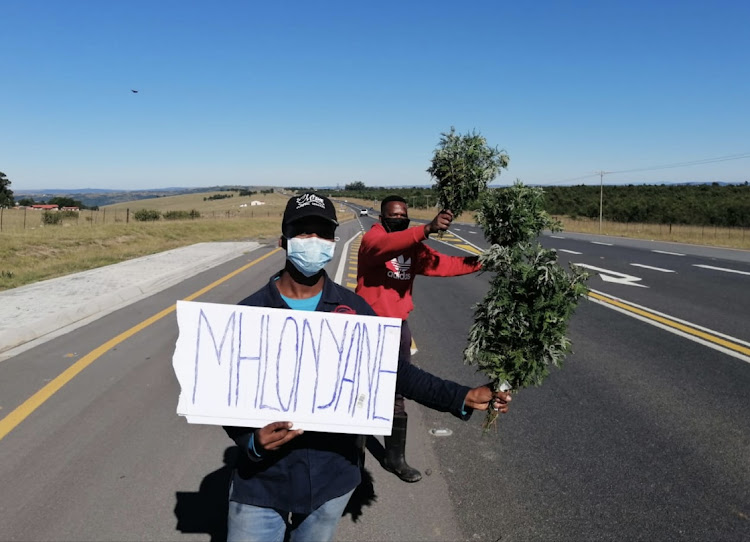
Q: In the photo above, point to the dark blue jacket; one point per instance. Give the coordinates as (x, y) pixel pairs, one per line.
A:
(314, 468)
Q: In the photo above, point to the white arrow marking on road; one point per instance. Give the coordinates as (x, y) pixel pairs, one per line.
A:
(600, 243)
(570, 251)
(653, 268)
(665, 252)
(613, 276)
(721, 269)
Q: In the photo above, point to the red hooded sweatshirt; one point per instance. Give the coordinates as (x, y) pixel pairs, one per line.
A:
(388, 262)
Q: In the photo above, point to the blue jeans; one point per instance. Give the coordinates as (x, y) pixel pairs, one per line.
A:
(250, 523)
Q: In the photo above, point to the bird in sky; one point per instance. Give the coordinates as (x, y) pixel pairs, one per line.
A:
(133, 91)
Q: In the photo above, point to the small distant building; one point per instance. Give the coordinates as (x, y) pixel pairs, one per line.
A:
(256, 202)
(44, 207)
(76, 209)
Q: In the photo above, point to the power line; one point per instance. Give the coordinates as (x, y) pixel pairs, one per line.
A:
(726, 158)
(576, 178)
(690, 163)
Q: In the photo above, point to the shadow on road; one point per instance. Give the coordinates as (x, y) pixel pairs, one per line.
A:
(375, 448)
(205, 511)
(365, 495)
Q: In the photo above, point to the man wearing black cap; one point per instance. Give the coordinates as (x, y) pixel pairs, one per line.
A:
(295, 485)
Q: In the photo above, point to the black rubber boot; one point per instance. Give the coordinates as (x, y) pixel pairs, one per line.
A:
(395, 447)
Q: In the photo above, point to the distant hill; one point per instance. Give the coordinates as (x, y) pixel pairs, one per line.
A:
(92, 197)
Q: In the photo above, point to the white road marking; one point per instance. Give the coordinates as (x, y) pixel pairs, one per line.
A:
(600, 243)
(666, 252)
(653, 268)
(721, 269)
(613, 276)
(557, 237)
(569, 251)
(472, 231)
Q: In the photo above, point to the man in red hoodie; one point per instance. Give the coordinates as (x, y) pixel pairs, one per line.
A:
(391, 255)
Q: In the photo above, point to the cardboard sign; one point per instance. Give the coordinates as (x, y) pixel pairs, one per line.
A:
(250, 366)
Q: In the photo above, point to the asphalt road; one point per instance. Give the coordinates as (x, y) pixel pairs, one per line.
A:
(644, 434)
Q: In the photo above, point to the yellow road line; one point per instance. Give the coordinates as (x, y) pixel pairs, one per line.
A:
(468, 248)
(671, 323)
(23, 411)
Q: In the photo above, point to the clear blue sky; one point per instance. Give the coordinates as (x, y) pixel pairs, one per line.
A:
(324, 93)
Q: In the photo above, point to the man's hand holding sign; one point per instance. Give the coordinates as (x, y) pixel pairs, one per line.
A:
(323, 371)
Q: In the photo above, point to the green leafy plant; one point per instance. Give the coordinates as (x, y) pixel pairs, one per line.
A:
(463, 166)
(514, 215)
(51, 217)
(147, 215)
(519, 327)
(6, 194)
(181, 215)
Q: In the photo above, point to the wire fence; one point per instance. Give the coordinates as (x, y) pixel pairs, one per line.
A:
(738, 237)
(30, 219)
(18, 220)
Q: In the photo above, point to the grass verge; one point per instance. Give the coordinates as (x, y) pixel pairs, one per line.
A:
(45, 253)
(738, 238)
(28, 256)
(31, 252)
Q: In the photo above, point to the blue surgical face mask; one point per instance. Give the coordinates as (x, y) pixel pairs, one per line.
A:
(309, 254)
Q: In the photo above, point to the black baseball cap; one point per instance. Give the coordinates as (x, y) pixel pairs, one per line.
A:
(308, 205)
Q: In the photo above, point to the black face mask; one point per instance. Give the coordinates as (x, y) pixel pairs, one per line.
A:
(395, 224)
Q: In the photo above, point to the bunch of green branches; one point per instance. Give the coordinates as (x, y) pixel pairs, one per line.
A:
(463, 166)
(520, 326)
(514, 215)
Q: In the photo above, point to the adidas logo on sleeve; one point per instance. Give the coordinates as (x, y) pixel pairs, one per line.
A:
(399, 268)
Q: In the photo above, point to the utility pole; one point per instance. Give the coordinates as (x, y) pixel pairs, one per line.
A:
(601, 197)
